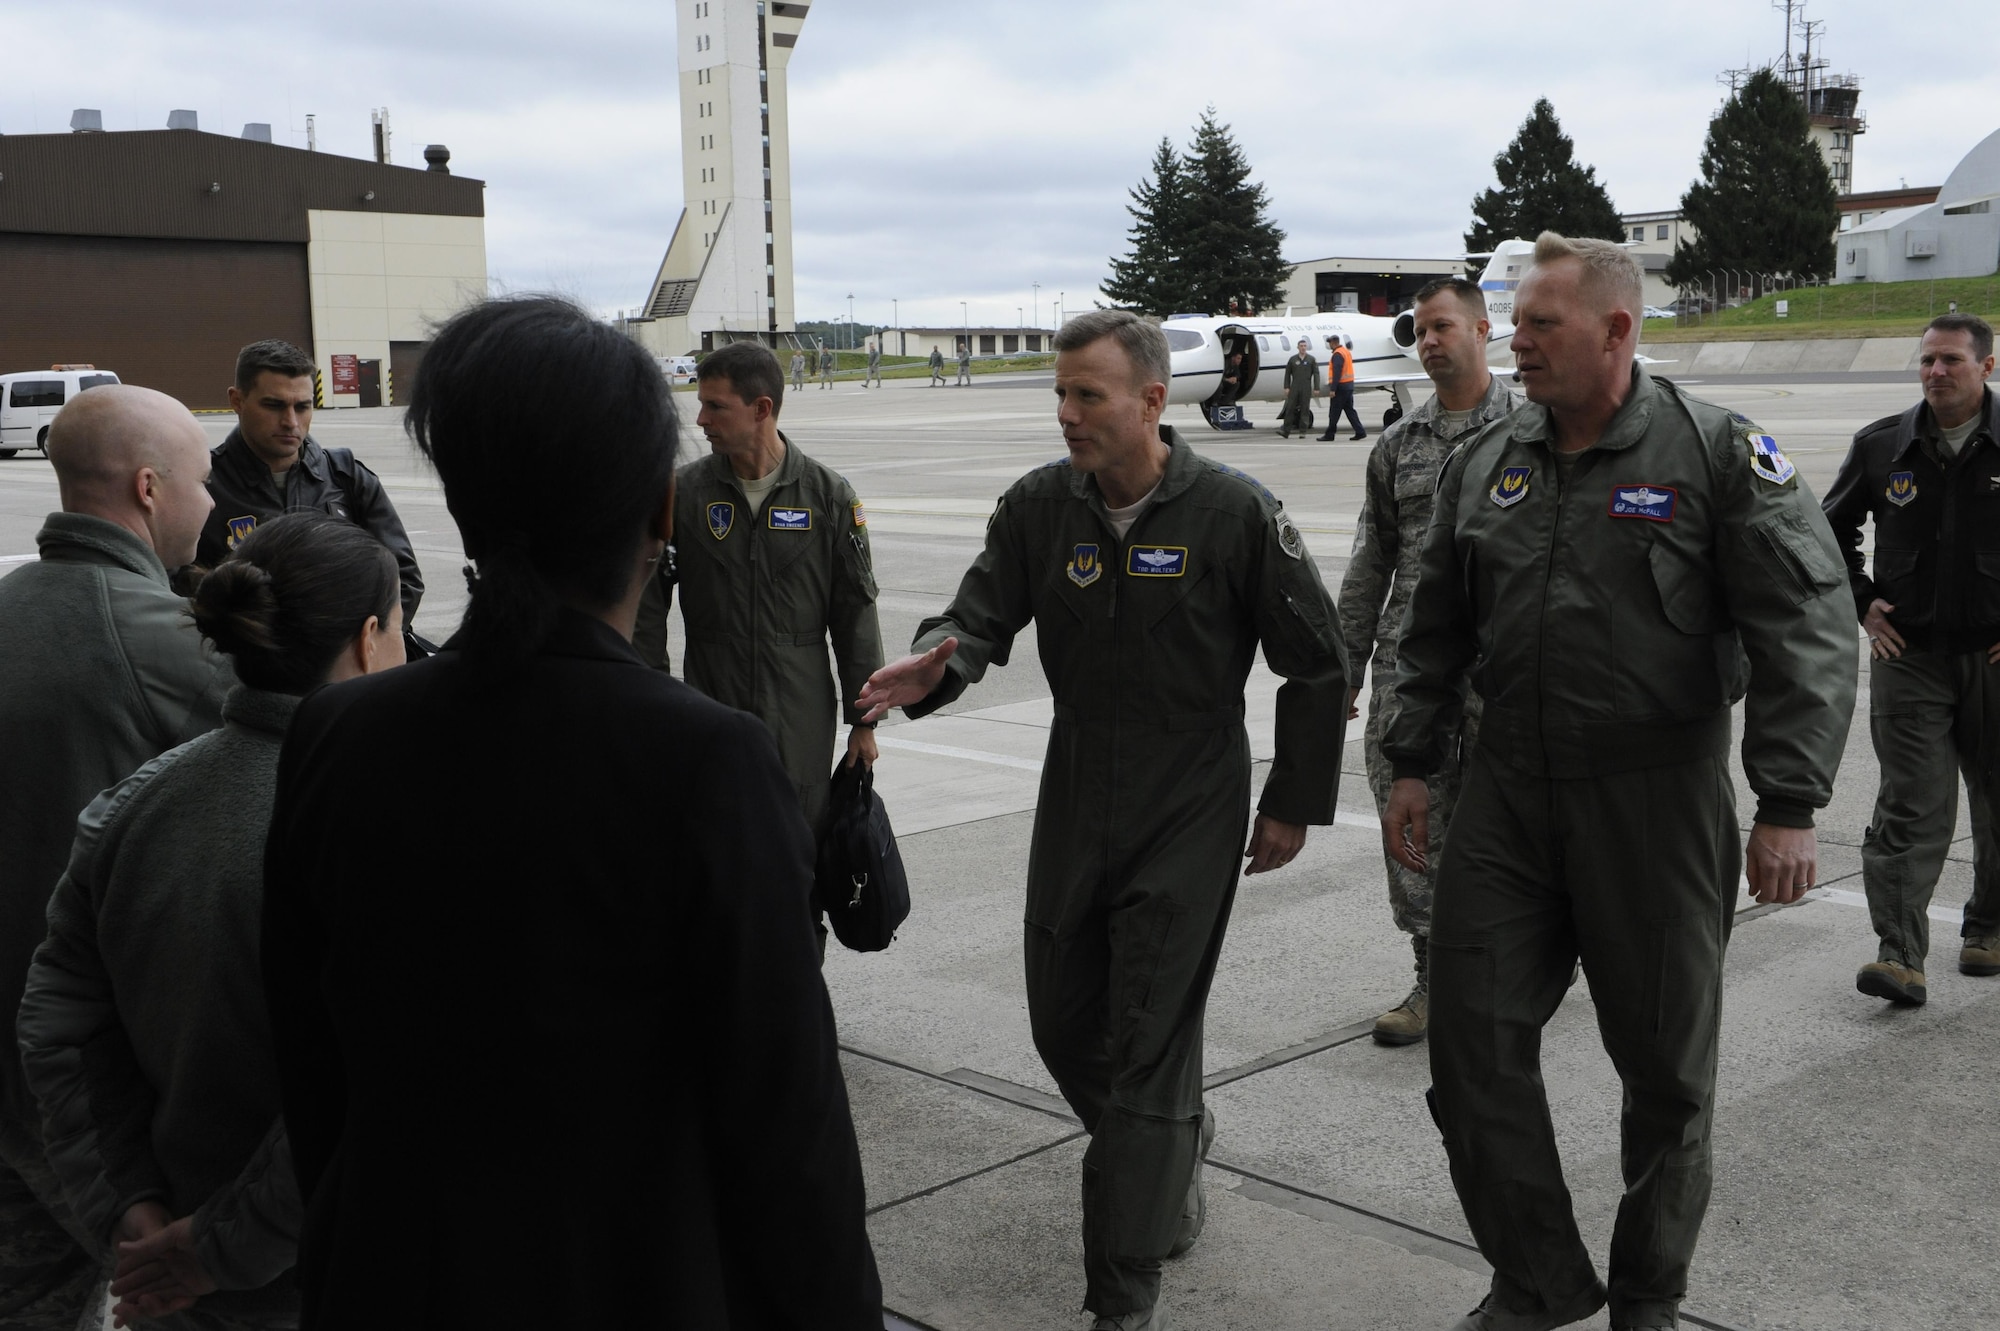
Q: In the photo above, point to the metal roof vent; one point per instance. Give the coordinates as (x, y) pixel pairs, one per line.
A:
(182, 120)
(85, 120)
(257, 132)
(439, 158)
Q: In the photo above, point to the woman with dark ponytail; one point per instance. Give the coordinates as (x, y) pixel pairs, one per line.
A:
(143, 1030)
(553, 1039)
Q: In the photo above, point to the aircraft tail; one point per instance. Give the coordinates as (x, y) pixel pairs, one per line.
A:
(1504, 270)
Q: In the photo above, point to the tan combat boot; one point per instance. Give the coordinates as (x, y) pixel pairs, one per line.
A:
(1408, 1020)
(1898, 984)
(1980, 956)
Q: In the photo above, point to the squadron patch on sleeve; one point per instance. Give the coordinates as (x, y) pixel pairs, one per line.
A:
(1765, 459)
(1289, 539)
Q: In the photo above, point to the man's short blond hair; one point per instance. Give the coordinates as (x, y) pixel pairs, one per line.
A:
(1611, 276)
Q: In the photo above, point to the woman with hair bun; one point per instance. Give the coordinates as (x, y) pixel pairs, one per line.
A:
(572, 1063)
(143, 1030)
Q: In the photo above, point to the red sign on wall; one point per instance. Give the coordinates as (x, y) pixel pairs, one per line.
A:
(346, 374)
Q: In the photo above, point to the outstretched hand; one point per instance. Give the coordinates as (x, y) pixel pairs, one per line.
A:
(158, 1274)
(901, 683)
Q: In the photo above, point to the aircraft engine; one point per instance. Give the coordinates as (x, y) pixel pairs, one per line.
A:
(1404, 333)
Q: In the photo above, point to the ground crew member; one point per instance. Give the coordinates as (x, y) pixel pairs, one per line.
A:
(1451, 329)
(874, 364)
(1615, 564)
(826, 367)
(271, 464)
(798, 368)
(1930, 478)
(964, 365)
(772, 560)
(1151, 574)
(937, 366)
(1301, 382)
(1340, 388)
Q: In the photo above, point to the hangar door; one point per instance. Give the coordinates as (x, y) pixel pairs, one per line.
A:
(168, 314)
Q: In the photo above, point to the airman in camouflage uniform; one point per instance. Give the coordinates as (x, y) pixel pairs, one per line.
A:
(1388, 539)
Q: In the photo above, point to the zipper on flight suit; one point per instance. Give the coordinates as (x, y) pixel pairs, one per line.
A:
(1542, 617)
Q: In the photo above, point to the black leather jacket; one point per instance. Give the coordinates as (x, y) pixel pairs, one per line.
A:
(327, 480)
(1937, 528)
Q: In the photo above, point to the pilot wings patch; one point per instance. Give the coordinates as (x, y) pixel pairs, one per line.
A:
(1158, 561)
(1655, 503)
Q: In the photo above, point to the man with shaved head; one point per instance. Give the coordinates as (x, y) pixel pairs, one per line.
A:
(100, 671)
(1612, 566)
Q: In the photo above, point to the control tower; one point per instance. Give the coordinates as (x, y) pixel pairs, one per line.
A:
(727, 274)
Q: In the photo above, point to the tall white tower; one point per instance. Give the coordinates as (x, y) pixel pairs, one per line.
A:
(728, 270)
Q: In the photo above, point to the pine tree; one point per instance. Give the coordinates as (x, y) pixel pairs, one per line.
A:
(1542, 188)
(1144, 280)
(1766, 201)
(1234, 251)
(1200, 235)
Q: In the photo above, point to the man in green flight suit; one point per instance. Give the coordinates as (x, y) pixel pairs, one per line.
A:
(772, 561)
(1301, 382)
(1152, 574)
(1605, 562)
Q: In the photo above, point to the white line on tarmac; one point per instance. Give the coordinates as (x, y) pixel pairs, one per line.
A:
(1840, 896)
(969, 755)
(1342, 816)
(17, 559)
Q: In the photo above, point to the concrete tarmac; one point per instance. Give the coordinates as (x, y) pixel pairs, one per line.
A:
(1851, 1138)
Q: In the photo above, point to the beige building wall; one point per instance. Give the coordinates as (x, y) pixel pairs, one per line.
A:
(377, 278)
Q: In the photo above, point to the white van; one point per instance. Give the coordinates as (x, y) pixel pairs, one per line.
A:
(678, 369)
(29, 401)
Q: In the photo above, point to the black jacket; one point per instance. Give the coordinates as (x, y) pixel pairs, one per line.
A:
(555, 1053)
(327, 480)
(1937, 528)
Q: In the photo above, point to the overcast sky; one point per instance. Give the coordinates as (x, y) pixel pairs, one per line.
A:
(964, 150)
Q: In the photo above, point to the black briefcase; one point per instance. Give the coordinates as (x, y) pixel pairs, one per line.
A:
(860, 882)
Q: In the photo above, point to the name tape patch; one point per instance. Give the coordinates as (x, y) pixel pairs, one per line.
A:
(1655, 503)
(1157, 561)
(790, 519)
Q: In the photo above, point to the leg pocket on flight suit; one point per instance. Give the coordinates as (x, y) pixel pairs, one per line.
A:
(1680, 976)
(1156, 935)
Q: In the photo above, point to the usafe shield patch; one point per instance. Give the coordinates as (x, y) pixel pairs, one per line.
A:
(1655, 503)
(1084, 565)
(240, 528)
(1512, 487)
(1156, 561)
(1902, 488)
(721, 517)
(789, 519)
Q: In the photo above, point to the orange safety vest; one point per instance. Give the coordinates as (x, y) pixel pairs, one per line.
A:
(1346, 375)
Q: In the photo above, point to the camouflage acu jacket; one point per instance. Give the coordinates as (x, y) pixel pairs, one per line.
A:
(1395, 514)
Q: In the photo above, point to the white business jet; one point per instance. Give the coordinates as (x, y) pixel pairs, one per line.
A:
(1385, 353)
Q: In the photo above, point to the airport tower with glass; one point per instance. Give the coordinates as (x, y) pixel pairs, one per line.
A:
(727, 274)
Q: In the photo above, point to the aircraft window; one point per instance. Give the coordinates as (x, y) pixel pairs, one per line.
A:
(1263, 342)
(1183, 339)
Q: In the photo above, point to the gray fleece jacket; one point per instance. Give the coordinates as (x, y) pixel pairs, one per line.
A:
(100, 669)
(143, 1030)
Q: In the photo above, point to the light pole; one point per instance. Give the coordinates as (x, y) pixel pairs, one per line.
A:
(1017, 317)
(1037, 301)
(896, 318)
(850, 321)
(1059, 309)
(965, 327)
